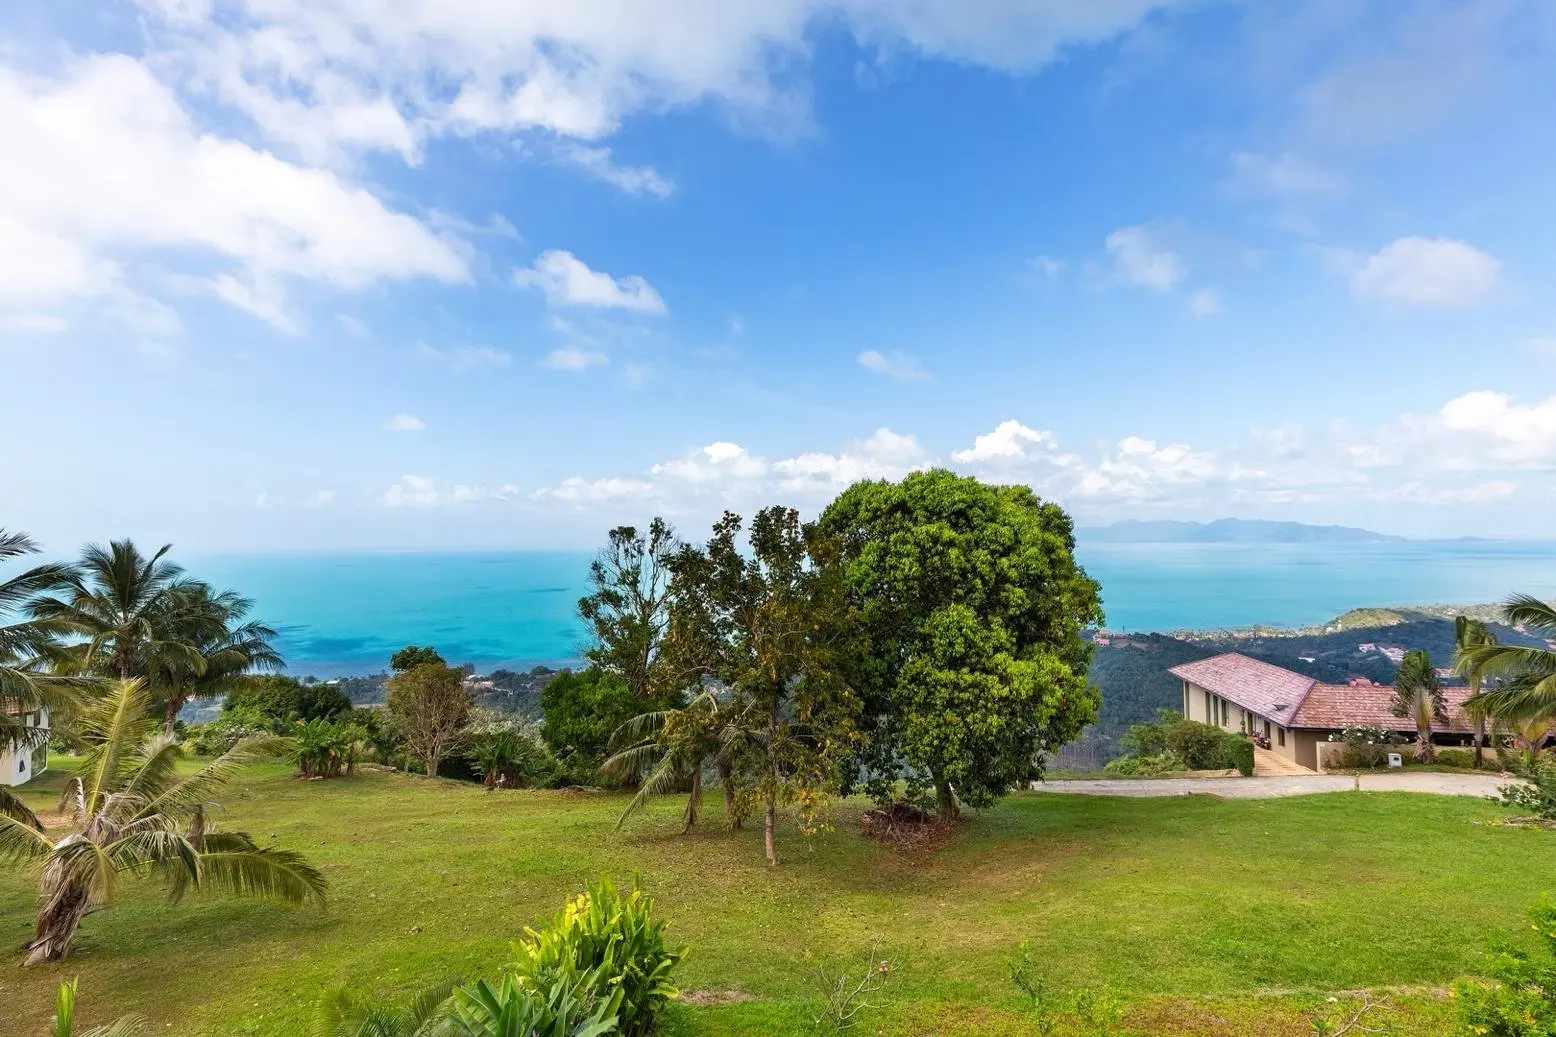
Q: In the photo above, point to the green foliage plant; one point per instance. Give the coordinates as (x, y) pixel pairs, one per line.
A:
(412, 656)
(343, 1013)
(431, 711)
(1536, 793)
(974, 609)
(1520, 998)
(1044, 1003)
(569, 1004)
(65, 1019)
(1418, 696)
(582, 710)
(1519, 680)
(628, 607)
(615, 943)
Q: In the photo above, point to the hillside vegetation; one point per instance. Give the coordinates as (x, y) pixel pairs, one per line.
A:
(1157, 900)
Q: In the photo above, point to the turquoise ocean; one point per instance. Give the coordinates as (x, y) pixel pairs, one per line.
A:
(341, 614)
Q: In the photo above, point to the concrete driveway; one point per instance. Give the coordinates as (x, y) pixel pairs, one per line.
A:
(1441, 784)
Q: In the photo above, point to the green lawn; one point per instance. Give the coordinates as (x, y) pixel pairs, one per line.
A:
(1210, 917)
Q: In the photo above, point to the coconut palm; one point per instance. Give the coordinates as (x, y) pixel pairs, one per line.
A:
(666, 750)
(1525, 674)
(65, 1019)
(127, 810)
(1419, 696)
(1469, 634)
(30, 648)
(207, 642)
(344, 1014)
(118, 604)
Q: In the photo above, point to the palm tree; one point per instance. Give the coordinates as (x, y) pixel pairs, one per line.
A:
(128, 811)
(65, 1019)
(208, 642)
(344, 1014)
(1469, 634)
(1418, 695)
(1525, 674)
(118, 603)
(30, 648)
(667, 749)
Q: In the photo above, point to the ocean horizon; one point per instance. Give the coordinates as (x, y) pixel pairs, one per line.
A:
(344, 613)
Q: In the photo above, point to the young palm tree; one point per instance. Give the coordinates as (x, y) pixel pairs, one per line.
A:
(127, 810)
(30, 648)
(344, 1014)
(1469, 634)
(65, 1019)
(1525, 674)
(208, 642)
(667, 749)
(1419, 696)
(118, 603)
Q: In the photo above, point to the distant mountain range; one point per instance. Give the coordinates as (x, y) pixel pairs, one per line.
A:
(1229, 531)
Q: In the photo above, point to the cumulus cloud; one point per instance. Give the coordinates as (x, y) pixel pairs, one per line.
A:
(716, 461)
(579, 490)
(106, 174)
(1427, 272)
(405, 423)
(901, 366)
(326, 77)
(463, 359)
(419, 491)
(411, 491)
(1010, 441)
(568, 281)
(1286, 178)
(1140, 259)
(573, 358)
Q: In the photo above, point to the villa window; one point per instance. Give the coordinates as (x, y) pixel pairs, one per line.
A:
(1282, 735)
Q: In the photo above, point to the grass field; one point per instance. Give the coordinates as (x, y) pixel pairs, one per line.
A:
(1208, 916)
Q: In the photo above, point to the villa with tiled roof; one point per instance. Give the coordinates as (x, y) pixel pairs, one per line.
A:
(1295, 712)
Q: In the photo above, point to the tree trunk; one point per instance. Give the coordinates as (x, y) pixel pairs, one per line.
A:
(432, 766)
(1480, 742)
(175, 702)
(1424, 746)
(58, 919)
(691, 800)
(769, 819)
(727, 780)
(945, 800)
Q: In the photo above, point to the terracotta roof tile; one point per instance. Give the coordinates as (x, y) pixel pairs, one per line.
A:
(1270, 691)
(1330, 706)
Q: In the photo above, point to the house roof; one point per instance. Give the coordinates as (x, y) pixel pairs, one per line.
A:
(1292, 700)
(1330, 706)
(1268, 690)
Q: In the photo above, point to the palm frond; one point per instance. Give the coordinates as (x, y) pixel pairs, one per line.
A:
(12, 806)
(125, 1026)
(665, 778)
(152, 769)
(1528, 698)
(1525, 610)
(72, 799)
(21, 840)
(265, 873)
(84, 865)
(199, 787)
(154, 849)
(115, 727)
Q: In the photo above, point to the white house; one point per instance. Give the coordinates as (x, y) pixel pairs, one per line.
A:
(19, 762)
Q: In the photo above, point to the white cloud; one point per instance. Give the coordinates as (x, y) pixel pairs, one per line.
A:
(463, 359)
(350, 325)
(573, 358)
(1138, 258)
(1010, 441)
(884, 455)
(901, 366)
(326, 77)
(1048, 266)
(1514, 434)
(1287, 178)
(579, 491)
(568, 281)
(1418, 271)
(34, 323)
(107, 178)
(1204, 303)
(411, 491)
(597, 163)
(405, 423)
(716, 461)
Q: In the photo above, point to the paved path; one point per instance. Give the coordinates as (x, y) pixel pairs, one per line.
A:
(1286, 785)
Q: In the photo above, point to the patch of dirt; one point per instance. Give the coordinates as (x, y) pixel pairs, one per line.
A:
(712, 997)
(904, 826)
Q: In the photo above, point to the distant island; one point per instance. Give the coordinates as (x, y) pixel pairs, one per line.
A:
(1229, 531)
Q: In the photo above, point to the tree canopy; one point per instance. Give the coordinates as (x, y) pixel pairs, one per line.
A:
(972, 608)
(412, 656)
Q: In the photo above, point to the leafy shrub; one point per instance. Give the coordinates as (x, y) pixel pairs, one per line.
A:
(326, 748)
(1456, 758)
(1366, 747)
(227, 730)
(582, 711)
(1521, 999)
(1238, 753)
(611, 940)
(1147, 766)
(569, 1003)
(508, 751)
(284, 700)
(1537, 792)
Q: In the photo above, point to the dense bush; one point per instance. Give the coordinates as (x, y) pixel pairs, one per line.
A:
(1537, 792)
(1367, 747)
(508, 751)
(613, 940)
(1521, 999)
(1456, 758)
(1151, 748)
(582, 710)
(284, 700)
(228, 729)
(327, 748)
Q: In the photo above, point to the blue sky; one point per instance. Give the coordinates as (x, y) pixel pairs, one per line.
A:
(361, 273)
